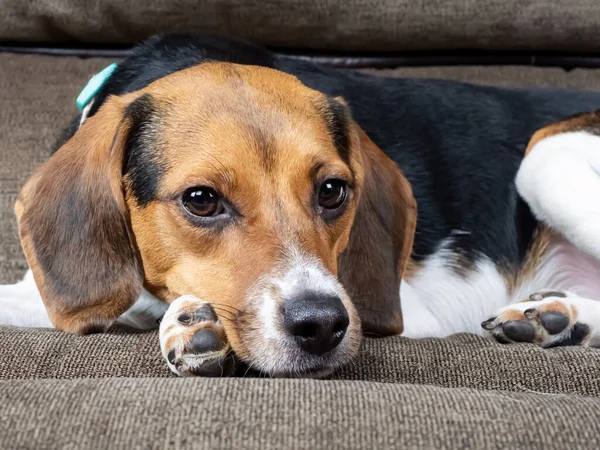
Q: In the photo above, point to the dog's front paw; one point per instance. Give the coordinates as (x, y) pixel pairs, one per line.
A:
(546, 319)
(193, 341)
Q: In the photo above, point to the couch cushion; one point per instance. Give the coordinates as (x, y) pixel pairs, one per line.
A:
(462, 360)
(286, 414)
(374, 25)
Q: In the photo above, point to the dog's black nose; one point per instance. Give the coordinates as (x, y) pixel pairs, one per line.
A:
(317, 322)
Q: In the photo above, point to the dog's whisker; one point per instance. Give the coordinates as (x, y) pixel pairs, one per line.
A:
(248, 369)
(372, 334)
(370, 310)
(223, 311)
(226, 307)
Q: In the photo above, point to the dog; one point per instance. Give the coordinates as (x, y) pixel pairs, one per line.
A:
(275, 210)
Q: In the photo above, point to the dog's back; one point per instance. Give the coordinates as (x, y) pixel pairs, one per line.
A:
(460, 145)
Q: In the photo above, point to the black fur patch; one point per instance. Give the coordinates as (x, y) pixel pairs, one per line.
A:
(338, 121)
(459, 145)
(143, 166)
(162, 55)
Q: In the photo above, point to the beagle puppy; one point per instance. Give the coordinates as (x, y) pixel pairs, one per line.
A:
(272, 210)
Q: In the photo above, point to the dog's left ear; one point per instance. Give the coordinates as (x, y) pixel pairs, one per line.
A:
(74, 225)
(381, 240)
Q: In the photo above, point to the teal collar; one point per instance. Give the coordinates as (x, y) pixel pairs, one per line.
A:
(93, 86)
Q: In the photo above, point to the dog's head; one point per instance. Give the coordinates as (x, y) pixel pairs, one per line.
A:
(236, 184)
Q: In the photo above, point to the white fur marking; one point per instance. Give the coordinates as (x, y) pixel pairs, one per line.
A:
(266, 315)
(438, 301)
(563, 268)
(559, 181)
(21, 305)
(85, 112)
(305, 275)
(144, 313)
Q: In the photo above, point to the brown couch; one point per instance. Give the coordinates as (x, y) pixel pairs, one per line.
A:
(114, 390)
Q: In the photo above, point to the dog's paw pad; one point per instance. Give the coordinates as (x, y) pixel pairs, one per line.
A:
(519, 331)
(206, 340)
(554, 322)
(193, 340)
(547, 319)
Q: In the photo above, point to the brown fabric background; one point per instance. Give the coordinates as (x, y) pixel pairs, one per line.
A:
(114, 391)
(462, 360)
(286, 414)
(359, 25)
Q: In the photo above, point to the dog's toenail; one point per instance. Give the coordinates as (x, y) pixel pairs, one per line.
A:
(529, 313)
(488, 324)
(542, 295)
(171, 357)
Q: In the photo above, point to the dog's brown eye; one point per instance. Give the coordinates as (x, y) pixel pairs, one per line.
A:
(332, 194)
(202, 201)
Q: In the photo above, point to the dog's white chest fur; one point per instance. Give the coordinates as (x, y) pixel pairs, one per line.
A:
(439, 301)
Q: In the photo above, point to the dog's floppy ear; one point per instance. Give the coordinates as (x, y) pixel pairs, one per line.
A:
(74, 225)
(380, 243)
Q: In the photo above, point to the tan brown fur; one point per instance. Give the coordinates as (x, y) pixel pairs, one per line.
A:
(90, 158)
(541, 242)
(583, 122)
(558, 307)
(512, 314)
(411, 269)
(169, 329)
(574, 311)
(384, 182)
(180, 258)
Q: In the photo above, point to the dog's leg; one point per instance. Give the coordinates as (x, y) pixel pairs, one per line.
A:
(548, 319)
(559, 179)
(145, 313)
(193, 341)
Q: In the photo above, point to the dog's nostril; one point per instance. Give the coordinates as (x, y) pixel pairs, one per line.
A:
(341, 325)
(305, 330)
